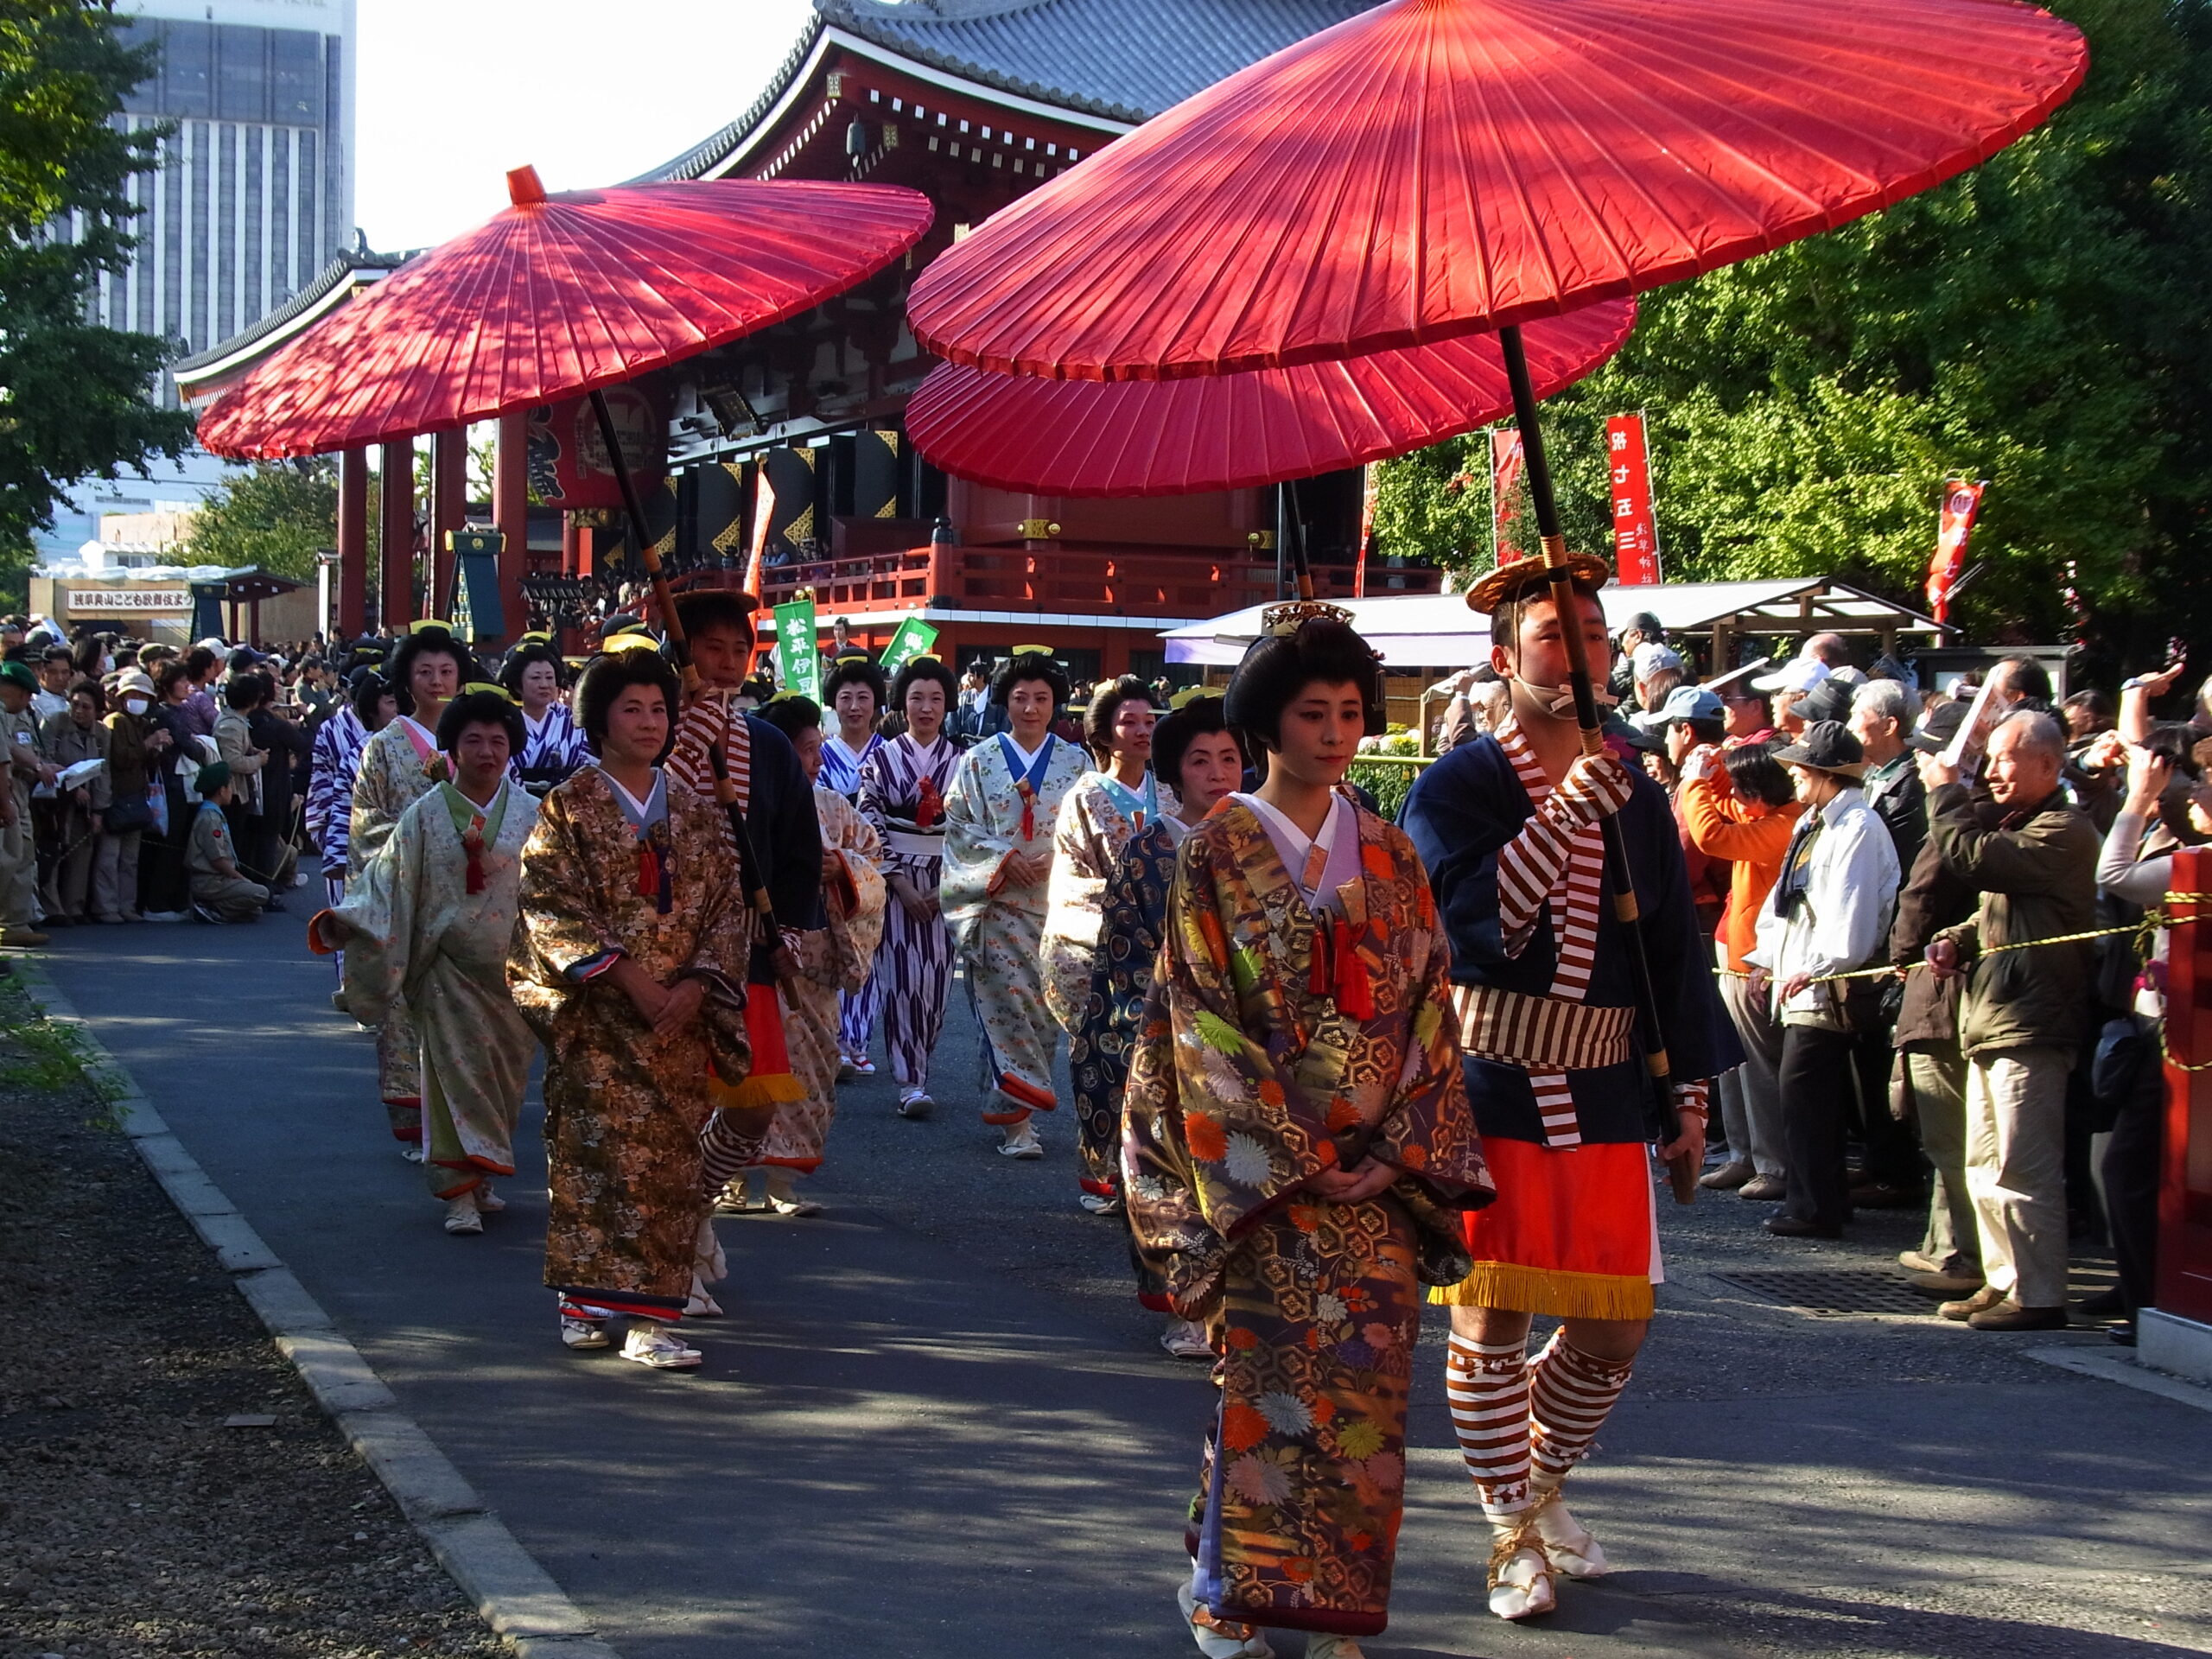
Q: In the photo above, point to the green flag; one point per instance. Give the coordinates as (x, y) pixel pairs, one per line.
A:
(798, 664)
(914, 637)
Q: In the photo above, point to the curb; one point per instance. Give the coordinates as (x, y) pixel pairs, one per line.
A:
(515, 1597)
(2111, 1368)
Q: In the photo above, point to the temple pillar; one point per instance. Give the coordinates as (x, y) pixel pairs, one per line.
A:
(510, 514)
(396, 507)
(448, 511)
(353, 618)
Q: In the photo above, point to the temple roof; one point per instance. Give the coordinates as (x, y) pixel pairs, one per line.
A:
(1123, 59)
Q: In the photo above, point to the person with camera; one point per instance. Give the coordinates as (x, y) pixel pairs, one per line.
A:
(1828, 914)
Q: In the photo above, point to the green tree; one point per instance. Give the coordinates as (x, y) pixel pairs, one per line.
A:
(279, 515)
(73, 395)
(2037, 322)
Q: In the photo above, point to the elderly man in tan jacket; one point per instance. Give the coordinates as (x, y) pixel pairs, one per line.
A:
(2023, 1011)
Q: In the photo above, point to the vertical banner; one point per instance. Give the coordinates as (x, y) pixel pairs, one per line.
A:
(1367, 477)
(1635, 532)
(914, 637)
(1954, 528)
(1506, 462)
(764, 512)
(798, 664)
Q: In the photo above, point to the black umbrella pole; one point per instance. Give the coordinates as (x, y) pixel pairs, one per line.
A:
(648, 555)
(1681, 1172)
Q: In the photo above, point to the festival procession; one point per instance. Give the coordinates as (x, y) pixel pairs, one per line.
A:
(1275, 826)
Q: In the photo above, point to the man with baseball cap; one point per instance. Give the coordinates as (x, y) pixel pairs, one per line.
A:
(1828, 914)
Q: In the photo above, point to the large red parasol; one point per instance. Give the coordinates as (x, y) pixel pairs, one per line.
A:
(1438, 167)
(560, 295)
(1431, 168)
(1238, 431)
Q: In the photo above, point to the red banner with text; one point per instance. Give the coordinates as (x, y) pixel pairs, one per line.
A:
(1506, 462)
(1954, 528)
(1635, 531)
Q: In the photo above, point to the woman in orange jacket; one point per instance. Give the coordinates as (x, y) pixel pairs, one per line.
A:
(1737, 805)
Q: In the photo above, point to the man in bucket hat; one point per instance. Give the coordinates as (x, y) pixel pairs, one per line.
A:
(1828, 914)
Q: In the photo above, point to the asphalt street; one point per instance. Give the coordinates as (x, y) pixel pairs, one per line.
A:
(936, 1422)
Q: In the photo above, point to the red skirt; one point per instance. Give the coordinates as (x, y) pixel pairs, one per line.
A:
(1573, 1233)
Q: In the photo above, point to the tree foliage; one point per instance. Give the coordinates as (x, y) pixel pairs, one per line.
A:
(279, 515)
(73, 395)
(2037, 322)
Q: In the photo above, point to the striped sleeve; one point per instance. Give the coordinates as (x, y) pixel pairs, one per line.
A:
(1529, 867)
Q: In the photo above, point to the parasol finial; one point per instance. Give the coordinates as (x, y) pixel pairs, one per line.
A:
(525, 187)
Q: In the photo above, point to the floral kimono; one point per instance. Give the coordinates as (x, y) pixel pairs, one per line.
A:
(606, 876)
(1096, 822)
(832, 960)
(1300, 1023)
(1001, 802)
(399, 764)
(1133, 919)
(431, 920)
(841, 771)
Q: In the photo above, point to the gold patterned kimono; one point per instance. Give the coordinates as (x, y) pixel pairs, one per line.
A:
(1280, 1039)
(399, 764)
(1094, 828)
(624, 1107)
(411, 928)
(832, 960)
(998, 925)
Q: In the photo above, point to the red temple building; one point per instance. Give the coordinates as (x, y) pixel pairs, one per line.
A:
(791, 441)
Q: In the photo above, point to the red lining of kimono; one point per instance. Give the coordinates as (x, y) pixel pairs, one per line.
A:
(620, 1304)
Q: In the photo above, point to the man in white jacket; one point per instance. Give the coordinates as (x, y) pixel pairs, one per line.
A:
(1829, 912)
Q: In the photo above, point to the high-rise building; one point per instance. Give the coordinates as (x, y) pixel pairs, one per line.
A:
(255, 191)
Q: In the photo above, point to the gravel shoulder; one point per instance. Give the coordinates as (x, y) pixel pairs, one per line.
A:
(171, 1488)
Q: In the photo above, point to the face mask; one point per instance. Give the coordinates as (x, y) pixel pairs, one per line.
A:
(135, 705)
(1558, 701)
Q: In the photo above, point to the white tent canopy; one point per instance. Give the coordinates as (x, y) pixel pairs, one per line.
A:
(1416, 632)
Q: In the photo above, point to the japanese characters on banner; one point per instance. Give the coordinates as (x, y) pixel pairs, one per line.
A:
(1368, 476)
(798, 664)
(1636, 532)
(568, 460)
(913, 638)
(1954, 528)
(1506, 464)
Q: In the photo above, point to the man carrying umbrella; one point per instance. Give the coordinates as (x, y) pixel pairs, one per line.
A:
(1510, 826)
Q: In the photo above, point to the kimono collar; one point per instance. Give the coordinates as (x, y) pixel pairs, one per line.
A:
(1140, 808)
(477, 826)
(1312, 860)
(1028, 781)
(642, 815)
(656, 851)
(425, 740)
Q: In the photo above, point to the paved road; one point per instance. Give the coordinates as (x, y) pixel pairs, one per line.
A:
(936, 1423)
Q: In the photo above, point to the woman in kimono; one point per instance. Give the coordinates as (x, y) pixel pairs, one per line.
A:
(1000, 817)
(903, 789)
(1104, 809)
(435, 929)
(399, 766)
(1298, 1146)
(366, 708)
(552, 745)
(1194, 748)
(857, 692)
(832, 960)
(628, 962)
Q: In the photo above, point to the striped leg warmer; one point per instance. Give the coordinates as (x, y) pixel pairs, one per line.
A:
(1487, 1387)
(1572, 1394)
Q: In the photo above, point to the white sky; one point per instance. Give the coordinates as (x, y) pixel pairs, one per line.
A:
(454, 92)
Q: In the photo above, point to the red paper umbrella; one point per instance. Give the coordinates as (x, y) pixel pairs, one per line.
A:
(1238, 431)
(559, 294)
(1438, 167)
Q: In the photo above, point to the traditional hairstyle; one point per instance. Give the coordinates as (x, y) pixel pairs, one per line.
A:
(1029, 665)
(536, 650)
(426, 642)
(1321, 649)
(1178, 729)
(923, 668)
(365, 688)
(481, 707)
(1757, 775)
(1105, 708)
(607, 675)
(859, 672)
(792, 715)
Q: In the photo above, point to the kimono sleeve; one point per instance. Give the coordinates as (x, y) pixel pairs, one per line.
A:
(1168, 1226)
(561, 940)
(1075, 902)
(857, 927)
(973, 848)
(376, 924)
